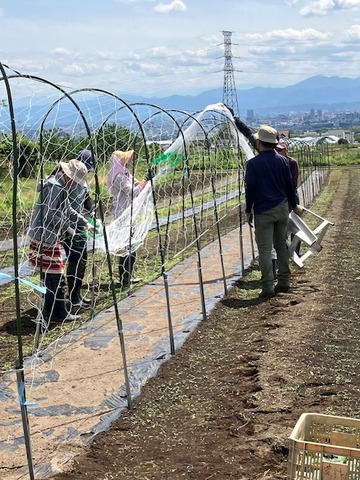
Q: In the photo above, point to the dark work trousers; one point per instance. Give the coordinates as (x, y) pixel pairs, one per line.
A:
(76, 252)
(54, 304)
(297, 249)
(126, 268)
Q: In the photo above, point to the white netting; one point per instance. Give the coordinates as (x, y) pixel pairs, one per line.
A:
(132, 226)
(193, 198)
(195, 163)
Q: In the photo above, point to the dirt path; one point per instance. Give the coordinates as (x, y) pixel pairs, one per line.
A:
(224, 406)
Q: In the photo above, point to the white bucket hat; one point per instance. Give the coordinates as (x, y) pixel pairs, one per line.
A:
(75, 170)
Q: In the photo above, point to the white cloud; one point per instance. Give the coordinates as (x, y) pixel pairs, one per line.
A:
(61, 51)
(353, 33)
(73, 69)
(85, 69)
(324, 7)
(142, 54)
(2, 12)
(175, 5)
(106, 55)
(289, 34)
(33, 65)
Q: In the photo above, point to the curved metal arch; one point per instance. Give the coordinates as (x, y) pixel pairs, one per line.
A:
(162, 110)
(56, 87)
(20, 360)
(118, 319)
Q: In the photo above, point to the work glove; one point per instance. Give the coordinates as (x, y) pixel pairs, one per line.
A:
(92, 228)
(230, 110)
(249, 219)
(299, 210)
(71, 231)
(150, 174)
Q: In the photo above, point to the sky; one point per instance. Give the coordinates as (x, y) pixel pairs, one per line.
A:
(157, 48)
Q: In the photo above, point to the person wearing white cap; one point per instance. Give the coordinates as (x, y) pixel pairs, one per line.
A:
(52, 218)
(269, 194)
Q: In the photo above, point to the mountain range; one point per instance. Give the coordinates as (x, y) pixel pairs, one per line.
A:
(318, 92)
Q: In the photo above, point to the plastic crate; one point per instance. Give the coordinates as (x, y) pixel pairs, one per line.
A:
(325, 447)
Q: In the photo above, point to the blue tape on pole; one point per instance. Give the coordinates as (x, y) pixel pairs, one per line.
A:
(21, 397)
(25, 282)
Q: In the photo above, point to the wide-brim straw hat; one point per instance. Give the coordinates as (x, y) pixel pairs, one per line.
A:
(124, 157)
(267, 134)
(75, 170)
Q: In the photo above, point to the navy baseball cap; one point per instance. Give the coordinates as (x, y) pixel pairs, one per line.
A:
(87, 158)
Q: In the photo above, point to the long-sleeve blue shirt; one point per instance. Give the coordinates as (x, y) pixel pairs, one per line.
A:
(268, 182)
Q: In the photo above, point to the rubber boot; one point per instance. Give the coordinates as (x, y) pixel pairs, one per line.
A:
(75, 273)
(54, 304)
(126, 268)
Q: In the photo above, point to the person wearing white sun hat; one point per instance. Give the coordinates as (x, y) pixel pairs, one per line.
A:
(52, 218)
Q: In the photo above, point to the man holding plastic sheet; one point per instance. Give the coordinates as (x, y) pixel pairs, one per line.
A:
(269, 191)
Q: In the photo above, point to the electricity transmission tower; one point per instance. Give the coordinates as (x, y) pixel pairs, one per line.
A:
(229, 89)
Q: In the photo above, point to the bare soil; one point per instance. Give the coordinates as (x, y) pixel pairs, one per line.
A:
(224, 406)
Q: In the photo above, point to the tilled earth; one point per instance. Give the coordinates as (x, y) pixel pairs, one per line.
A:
(224, 406)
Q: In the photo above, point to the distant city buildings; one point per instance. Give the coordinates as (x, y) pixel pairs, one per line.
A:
(250, 115)
(313, 123)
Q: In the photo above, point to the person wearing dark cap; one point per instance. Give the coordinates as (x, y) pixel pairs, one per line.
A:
(268, 193)
(53, 218)
(88, 159)
(75, 246)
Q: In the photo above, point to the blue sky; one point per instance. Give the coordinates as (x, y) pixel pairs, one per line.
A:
(164, 47)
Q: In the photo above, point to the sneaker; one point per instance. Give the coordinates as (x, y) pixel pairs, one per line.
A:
(281, 288)
(81, 303)
(86, 301)
(267, 294)
(81, 306)
(126, 283)
(69, 318)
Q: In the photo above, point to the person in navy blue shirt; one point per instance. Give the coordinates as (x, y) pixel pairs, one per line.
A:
(269, 194)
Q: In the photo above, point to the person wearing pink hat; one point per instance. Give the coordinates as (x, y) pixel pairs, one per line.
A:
(124, 187)
(282, 148)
